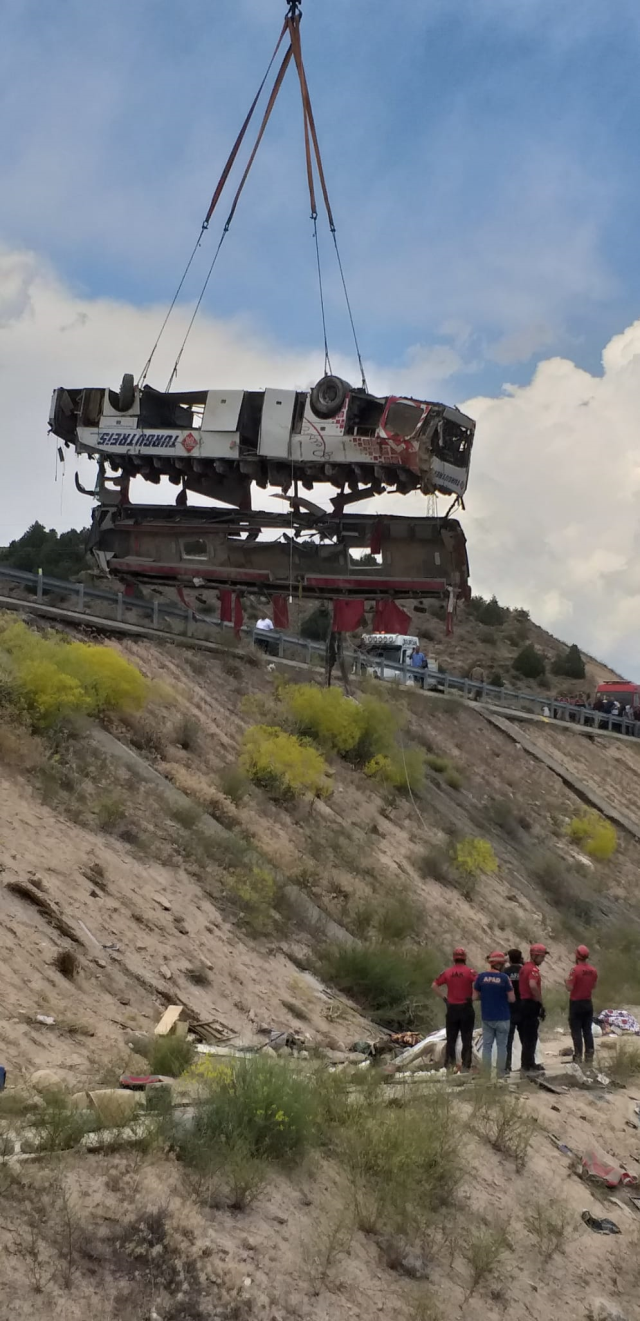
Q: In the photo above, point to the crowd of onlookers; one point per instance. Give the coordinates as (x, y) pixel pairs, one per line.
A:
(598, 712)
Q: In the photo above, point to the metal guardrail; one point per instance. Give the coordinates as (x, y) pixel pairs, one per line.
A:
(281, 645)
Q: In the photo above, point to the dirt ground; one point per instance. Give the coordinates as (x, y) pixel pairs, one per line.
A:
(282, 1257)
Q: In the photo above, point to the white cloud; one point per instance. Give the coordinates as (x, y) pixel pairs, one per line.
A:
(552, 515)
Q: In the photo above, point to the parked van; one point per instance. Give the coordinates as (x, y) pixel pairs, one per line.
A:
(386, 653)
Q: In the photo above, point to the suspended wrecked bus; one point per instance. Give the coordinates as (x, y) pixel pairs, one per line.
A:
(216, 443)
(303, 552)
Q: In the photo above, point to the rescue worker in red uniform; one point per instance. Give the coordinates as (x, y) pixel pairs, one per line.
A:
(531, 1008)
(455, 987)
(580, 984)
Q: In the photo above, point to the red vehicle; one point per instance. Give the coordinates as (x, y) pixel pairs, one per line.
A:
(617, 690)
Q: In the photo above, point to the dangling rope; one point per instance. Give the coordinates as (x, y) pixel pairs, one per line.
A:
(196, 309)
(348, 302)
(327, 360)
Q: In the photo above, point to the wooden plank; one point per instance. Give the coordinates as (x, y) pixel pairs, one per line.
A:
(169, 1022)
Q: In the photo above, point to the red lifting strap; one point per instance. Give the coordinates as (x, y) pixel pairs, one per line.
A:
(240, 138)
(309, 123)
(292, 26)
(267, 115)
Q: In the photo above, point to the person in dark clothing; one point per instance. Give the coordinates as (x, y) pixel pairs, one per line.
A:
(513, 970)
(531, 1008)
(455, 987)
(580, 984)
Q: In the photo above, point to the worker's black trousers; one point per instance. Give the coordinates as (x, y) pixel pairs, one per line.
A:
(515, 1023)
(581, 1024)
(528, 1028)
(461, 1020)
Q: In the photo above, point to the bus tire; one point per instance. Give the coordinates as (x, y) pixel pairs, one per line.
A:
(328, 396)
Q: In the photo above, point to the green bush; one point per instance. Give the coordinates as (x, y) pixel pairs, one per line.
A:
(52, 678)
(56, 1126)
(171, 1056)
(317, 625)
(623, 1065)
(261, 1103)
(482, 1249)
(618, 962)
(529, 662)
(403, 769)
(504, 1121)
(234, 784)
(392, 984)
(255, 890)
(561, 885)
(595, 835)
(549, 1221)
(442, 766)
(404, 1164)
(283, 765)
(502, 813)
(569, 663)
(110, 811)
(398, 919)
(491, 613)
(495, 680)
(436, 865)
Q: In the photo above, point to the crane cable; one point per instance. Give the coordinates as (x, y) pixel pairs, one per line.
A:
(292, 26)
(310, 132)
(265, 120)
(214, 200)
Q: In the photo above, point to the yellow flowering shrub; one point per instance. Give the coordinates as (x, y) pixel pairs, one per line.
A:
(282, 764)
(595, 835)
(357, 730)
(474, 856)
(50, 677)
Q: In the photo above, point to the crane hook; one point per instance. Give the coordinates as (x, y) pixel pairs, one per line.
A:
(295, 9)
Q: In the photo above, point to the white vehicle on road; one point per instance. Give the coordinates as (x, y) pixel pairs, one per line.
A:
(385, 653)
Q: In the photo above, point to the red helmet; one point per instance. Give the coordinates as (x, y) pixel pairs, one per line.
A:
(459, 953)
(538, 949)
(496, 957)
(582, 952)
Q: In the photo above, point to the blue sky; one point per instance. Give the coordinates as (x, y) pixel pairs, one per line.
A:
(481, 159)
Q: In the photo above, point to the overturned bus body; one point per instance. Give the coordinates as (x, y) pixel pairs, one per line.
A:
(217, 443)
(295, 553)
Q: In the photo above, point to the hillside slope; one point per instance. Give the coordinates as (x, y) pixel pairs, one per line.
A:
(162, 911)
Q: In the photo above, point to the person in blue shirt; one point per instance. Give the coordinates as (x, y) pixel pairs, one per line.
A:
(418, 661)
(496, 995)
